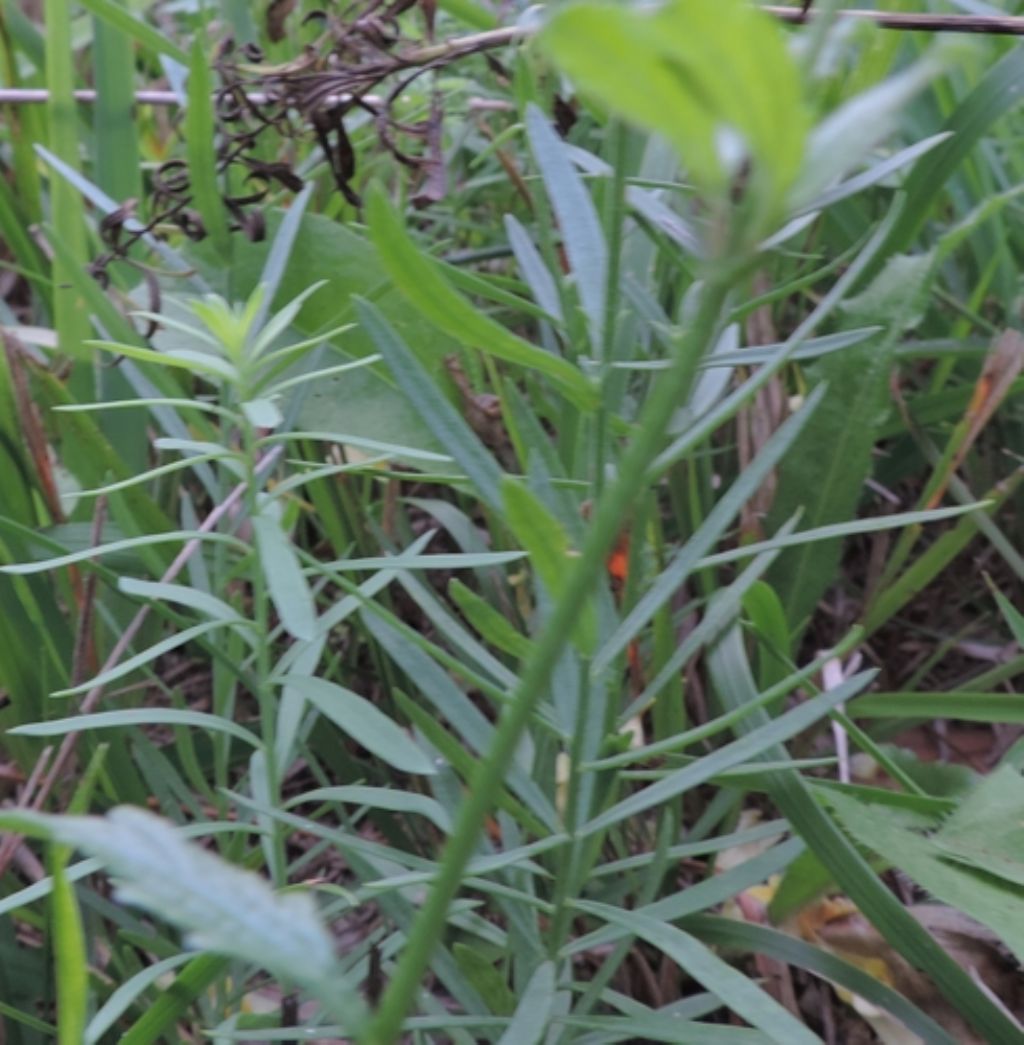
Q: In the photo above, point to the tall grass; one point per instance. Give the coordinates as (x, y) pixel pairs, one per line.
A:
(463, 613)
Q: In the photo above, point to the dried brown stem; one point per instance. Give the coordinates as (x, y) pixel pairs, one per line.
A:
(474, 43)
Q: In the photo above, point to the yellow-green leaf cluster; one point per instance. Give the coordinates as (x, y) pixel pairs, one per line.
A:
(713, 76)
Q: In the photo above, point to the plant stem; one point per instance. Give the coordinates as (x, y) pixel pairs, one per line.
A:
(261, 626)
(611, 510)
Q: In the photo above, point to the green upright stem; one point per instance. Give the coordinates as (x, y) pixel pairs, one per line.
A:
(612, 508)
(261, 624)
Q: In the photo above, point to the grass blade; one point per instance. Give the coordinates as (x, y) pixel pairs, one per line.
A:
(418, 278)
(577, 219)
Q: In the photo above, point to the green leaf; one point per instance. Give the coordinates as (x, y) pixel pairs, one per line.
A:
(735, 686)
(286, 583)
(731, 933)
(115, 15)
(114, 124)
(200, 134)
(737, 991)
(997, 93)
(540, 533)
(420, 280)
(690, 69)
(113, 547)
(577, 217)
(364, 722)
(742, 750)
(493, 626)
(534, 271)
(486, 978)
(422, 393)
(127, 994)
(987, 831)
(849, 134)
(379, 798)
(174, 1003)
(221, 908)
(67, 212)
(530, 1020)
(140, 660)
(71, 959)
(1013, 617)
(824, 473)
(182, 595)
(710, 531)
(764, 609)
(906, 840)
(136, 717)
(965, 706)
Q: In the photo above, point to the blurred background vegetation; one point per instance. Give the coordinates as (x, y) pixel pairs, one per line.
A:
(524, 503)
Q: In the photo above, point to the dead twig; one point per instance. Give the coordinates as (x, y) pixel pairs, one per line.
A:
(474, 43)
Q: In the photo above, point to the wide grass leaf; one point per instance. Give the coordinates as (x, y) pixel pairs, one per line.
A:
(117, 16)
(908, 841)
(987, 830)
(824, 473)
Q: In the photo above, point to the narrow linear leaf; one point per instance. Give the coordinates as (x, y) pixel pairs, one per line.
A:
(445, 424)
(140, 660)
(149, 37)
(127, 994)
(494, 627)
(285, 581)
(364, 722)
(737, 991)
(171, 1005)
(747, 747)
(728, 932)
(530, 1020)
(965, 706)
(733, 680)
(200, 134)
(541, 534)
(669, 581)
(534, 271)
(135, 717)
(71, 959)
(83, 555)
(419, 280)
(577, 218)
(379, 798)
